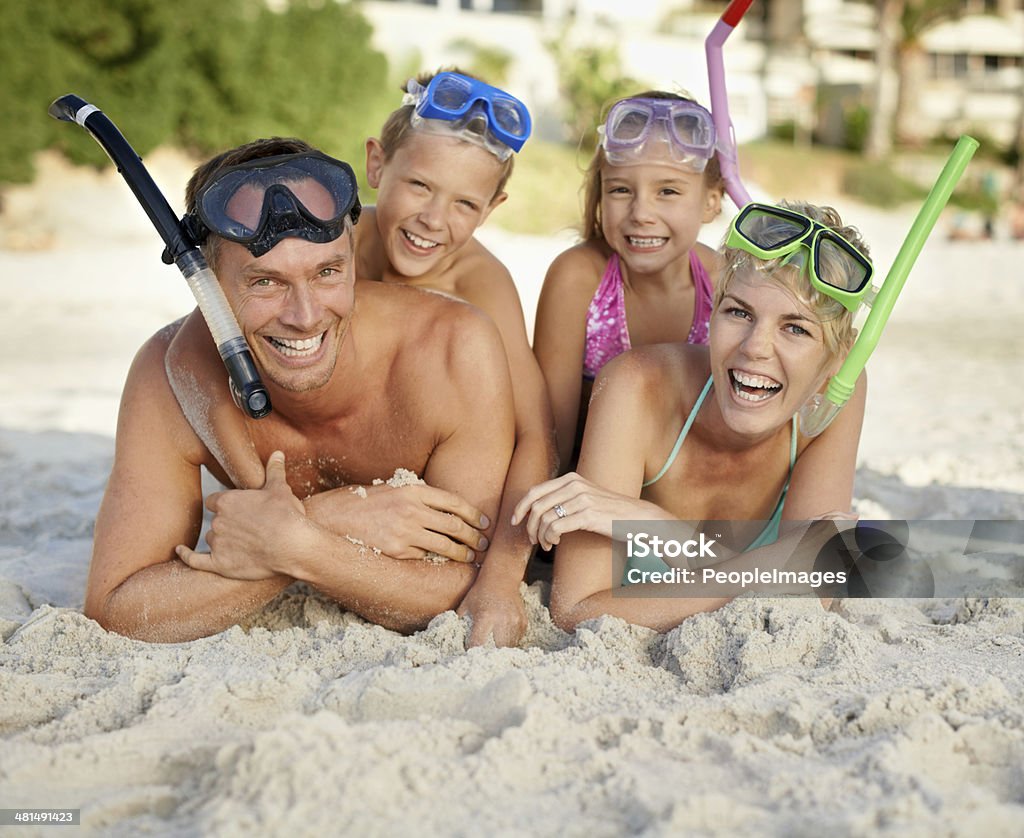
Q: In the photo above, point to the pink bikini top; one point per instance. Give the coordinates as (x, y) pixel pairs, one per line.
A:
(607, 334)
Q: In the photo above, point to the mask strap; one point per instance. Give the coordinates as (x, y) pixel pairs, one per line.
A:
(413, 93)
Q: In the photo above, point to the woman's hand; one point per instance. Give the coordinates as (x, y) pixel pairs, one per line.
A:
(570, 502)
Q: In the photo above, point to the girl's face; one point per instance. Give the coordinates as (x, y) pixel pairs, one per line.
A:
(768, 356)
(651, 213)
(431, 196)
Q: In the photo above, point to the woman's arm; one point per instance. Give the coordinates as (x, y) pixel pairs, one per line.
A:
(822, 480)
(628, 414)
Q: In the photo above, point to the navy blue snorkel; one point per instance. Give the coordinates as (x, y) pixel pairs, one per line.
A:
(246, 386)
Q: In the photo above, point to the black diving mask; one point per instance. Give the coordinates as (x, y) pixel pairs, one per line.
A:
(258, 203)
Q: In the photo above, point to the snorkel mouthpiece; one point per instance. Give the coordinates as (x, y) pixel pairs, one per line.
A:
(819, 413)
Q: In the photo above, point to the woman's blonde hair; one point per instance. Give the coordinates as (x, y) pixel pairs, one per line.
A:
(591, 227)
(836, 320)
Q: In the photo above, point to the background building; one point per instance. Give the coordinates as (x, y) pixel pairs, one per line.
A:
(806, 66)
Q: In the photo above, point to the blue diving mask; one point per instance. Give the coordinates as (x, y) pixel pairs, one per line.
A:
(471, 110)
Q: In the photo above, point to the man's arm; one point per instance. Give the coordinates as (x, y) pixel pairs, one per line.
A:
(258, 534)
(262, 534)
(153, 502)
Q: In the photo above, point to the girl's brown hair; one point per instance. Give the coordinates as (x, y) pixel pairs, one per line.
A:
(591, 227)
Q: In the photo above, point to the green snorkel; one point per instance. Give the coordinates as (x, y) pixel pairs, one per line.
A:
(817, 414)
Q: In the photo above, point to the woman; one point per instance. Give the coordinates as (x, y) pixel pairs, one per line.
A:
(680, 432)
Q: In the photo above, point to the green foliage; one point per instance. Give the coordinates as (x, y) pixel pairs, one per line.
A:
(918, 16)
(198, 74)
(29, 73)
(590, 78)
(544, 192)
(783, 131)
(490, 64)
(856, 122)
(877, 184)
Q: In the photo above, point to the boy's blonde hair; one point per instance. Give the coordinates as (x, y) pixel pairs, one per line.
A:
(836, 320)
(398, 126)
(591, 228)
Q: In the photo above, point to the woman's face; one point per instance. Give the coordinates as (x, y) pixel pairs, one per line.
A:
(768, 356)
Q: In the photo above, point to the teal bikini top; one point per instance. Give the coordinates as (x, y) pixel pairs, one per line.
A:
(770, 533)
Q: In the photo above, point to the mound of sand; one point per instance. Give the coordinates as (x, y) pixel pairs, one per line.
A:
(768, 716)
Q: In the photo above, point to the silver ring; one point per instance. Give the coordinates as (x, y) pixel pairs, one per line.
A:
(560, 510)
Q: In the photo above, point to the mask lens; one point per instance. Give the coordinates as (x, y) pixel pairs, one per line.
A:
(629, 125)
(769, 231)
(507, 115)
(838, 266)
(243, 209)
(692, 130)
(452, 93)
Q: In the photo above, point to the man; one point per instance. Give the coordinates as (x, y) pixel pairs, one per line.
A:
(406, 379)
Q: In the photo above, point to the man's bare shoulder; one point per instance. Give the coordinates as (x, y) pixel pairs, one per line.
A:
(426, 326)
(149, 360)
(148, 393)
(398, 307)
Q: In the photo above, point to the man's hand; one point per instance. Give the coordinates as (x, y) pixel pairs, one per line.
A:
(404, 522)
(254, 531)
(501, 616)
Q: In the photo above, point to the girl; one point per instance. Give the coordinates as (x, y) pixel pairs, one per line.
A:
(639, 276)
(692, 433)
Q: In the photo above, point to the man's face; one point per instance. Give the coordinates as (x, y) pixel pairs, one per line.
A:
(294, 305)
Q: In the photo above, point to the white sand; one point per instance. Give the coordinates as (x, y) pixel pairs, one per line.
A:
(771, 717)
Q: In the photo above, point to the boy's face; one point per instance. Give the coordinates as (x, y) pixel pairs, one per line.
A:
(431, 196)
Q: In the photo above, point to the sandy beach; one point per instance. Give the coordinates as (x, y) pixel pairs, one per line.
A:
(775, 717)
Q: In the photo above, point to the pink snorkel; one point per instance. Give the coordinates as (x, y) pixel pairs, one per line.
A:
(720, 100)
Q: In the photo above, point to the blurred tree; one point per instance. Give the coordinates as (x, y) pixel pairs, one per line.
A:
(193, 73)
(32, 67)
(883, 95)
(916, 18)
(309, 71)
(590, 78)
(491, 64)
(1018, 180)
